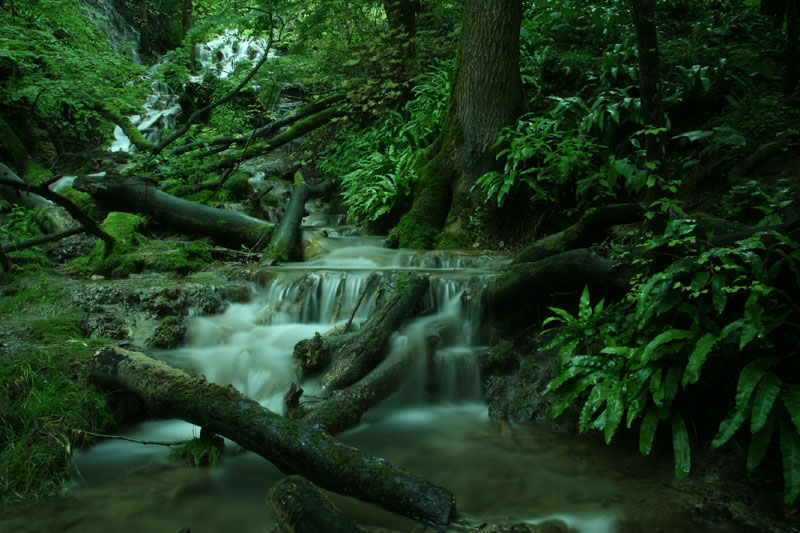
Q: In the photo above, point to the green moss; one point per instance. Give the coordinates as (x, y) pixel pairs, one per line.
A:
(239, 186)
(503, 356)
(84, 201)
(190, 258)
(201, 197)
(36, 174)
(169, 334)
(121, 260)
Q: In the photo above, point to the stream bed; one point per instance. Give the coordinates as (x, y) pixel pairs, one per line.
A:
(436, 425)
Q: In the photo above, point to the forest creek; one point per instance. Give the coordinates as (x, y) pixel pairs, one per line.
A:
(498, 266)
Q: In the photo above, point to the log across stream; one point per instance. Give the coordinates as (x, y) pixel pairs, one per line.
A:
(435, 426)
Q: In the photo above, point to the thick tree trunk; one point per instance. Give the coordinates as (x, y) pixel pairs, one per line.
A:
(226, 227)
(285, 238)
(300, 507)
(790, 80)
(649, 77)
(292, 446)
(358, 357)
(590, 228)
(486, 96)
(567, 271)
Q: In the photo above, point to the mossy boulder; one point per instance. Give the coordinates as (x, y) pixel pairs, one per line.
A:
(170, 333)
(238, 186)
(189, 258)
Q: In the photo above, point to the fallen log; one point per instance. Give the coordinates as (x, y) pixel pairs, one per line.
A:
(305, 111)
(227, 228)
(368, 348)
(293, 447)
(9, 179)
(30, 243)
(284, 238)
(566, 271)
(344, 408)
(300, 507)
(590, 228)
(295, 132)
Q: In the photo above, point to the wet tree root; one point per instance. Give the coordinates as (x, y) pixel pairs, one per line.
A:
(293, 447)
(284, 239)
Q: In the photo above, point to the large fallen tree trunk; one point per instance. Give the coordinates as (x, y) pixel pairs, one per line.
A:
(284, 238)
(300, 507)
(228, 228)
(293, 447)
(368, 348)
(590, 228)
(566, 271)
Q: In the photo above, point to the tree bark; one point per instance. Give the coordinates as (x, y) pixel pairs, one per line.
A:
(358, 357)
(590, 228)
(226, 227)
(300, 507)
(790, 80)
(649, 77)
(486, 95)
(566, 271)
(284, 238)
(291, 446)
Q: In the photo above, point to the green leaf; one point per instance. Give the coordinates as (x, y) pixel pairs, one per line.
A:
(791, 399)
(718, 296)
(584, 308)
(695, 135)
(680, 447)
(568, 395)
(767, 393)
(748, 379)
(758, 445)
(667, 336)
(752, 319)
(790, 452)
(697, 358)
(613, 414)
(648, 431)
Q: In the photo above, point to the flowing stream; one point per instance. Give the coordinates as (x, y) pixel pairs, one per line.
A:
(436, 425)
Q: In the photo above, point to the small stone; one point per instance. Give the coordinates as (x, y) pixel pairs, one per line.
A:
(97, 277)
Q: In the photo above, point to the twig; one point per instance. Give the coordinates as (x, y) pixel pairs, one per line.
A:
(137, 441)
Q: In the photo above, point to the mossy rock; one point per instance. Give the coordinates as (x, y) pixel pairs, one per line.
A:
(36, 174)
(503, 357)
(190, 258)
(170, 333)
(239, 186)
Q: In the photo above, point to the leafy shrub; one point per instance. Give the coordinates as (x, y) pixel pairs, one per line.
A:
(651, 355)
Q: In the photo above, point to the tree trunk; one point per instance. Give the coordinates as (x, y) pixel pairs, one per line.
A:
(649, 77)
(401, 18)
(486, 95)
(291, 446)
(144, 44)
(790, 80)
(227, 228)
(284, 238)
(300, 507)
(364, 353)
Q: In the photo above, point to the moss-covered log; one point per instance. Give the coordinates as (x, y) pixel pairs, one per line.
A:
(590, 228)
(127, 127)
(368, 348)
(344, 408)
(566, 271)
(285, 237)
(11, 180)
(293, 447)
(300, 507)
(258, 149)
(305, 111)
(226, 227)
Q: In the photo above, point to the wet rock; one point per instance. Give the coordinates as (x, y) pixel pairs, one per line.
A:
(170, 333)
(106, 327)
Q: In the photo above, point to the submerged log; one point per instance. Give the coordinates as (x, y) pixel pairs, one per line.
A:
(590, 228)
(300, 507)
(226, 227)
(368, 348)
(293, 447)
(284, 238)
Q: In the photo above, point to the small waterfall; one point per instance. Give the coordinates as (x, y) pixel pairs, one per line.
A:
(250, 345)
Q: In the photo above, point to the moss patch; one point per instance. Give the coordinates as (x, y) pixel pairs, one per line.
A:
(84, 201)
(170, 333)
(200, 452)
(190, 258)
(120, 261)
